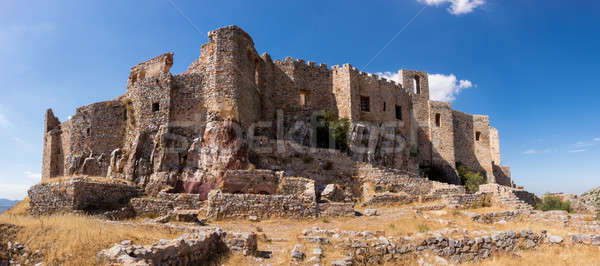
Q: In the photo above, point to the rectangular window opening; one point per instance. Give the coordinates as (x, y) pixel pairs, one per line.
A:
(398, 112)
(303, 98)
(365, 104)
(477, 135)
(155, 107)
(438, 120)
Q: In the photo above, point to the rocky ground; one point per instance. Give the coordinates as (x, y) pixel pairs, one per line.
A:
(417, 234)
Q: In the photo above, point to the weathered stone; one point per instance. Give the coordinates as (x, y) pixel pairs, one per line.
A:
(297, 253)
(80, 193)
(555, 239)
(333, 193)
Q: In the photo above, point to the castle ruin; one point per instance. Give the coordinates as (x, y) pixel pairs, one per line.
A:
(235, 110)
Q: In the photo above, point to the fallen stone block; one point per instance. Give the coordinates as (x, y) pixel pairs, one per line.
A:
(371, 212)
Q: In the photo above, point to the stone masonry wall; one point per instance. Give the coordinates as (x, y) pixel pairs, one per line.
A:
(495, 146)
(474, 154)
(79, 194)
(52, 156)
(90, 136)
(222, 205)
(442, 133)
(481, 125)
(417, 84)
(250, 181)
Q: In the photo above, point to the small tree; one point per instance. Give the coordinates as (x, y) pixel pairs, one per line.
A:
(472, 180)
(551, 202)
(330, 123)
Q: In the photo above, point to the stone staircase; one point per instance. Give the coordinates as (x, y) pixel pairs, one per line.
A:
(398, 186)
(510, 197)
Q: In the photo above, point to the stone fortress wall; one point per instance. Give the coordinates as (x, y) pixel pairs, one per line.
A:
(193, 126)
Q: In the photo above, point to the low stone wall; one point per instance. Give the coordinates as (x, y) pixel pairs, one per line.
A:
(183, 200)
(467, 201)
(222, 205)
(585, 239)
(165, 203)
(295, 185)
(336, 209)
(389, 198)
(466, 249)
(494, 217)
(579, 222)
(79, 194)
(250, 181)
(201, 248)
(151, 207)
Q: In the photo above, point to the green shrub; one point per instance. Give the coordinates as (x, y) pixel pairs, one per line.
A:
(470, 179)
(331, 124)
(551, 202)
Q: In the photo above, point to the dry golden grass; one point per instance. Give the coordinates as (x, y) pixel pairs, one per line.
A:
(548, 255)
(396, 221)
(76, 239)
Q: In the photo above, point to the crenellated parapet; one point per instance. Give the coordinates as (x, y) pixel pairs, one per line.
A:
(193, 126)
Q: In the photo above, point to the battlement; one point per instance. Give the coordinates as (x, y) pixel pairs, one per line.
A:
(189, 126)
(151, 68)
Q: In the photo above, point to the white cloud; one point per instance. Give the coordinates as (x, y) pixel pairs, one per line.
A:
(442, 87)
(597, 139)
(389, 75)
(32, 175)
(573, 151)
(530, 151)
(445, 87)
(457, 7)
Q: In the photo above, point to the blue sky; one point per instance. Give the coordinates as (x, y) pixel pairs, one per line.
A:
(531, 65)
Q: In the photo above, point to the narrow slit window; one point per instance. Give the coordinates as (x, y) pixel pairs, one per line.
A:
(155, 107)
(365, 104)
(416, 85)
(303, 98)
(384, 106)
(477, 136)
(438, 120)
(398, 112)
